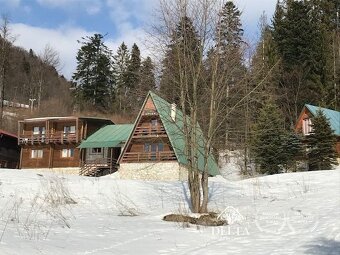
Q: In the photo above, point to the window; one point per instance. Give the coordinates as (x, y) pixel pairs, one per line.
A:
(96, 150)
(36, 153)
(69, 129)
(38, 130)
(67, 153)
(306, 126)
(153, 147)
(154, 122)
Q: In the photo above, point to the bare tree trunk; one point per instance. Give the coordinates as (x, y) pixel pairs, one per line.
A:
(6, 39)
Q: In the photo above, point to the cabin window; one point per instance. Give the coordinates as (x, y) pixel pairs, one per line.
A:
(96, 151)
(146, 147)
(67, 153)
(69, 129)
(154, 122)
(38, 130)
(307, 126)
(36, 153)
(153, 147)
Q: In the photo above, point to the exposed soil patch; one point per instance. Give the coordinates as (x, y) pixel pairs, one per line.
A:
(210, 219)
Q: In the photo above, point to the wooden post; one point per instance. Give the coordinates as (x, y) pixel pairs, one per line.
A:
(111, 161)
(77, 131)
(82, 132)
(85, 132)
(47, 130)
(20, 163)
(50, 160)
(19, 128)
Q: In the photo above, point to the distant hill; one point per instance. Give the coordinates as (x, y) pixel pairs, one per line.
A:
(29, 76)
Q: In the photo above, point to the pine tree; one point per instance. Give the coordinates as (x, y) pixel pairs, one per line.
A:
(229, 33)
(182, 52)
(267, 140)
(93, 77)
(120, 68)
(300, 44)
(147, 80)
(229, 46)
(320, 143)
(133, 76)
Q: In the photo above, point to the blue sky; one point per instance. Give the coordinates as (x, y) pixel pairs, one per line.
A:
(60, 23)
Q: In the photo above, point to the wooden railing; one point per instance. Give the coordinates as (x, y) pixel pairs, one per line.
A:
(58, 137)
(149, 112)
(149, 131)
(149, 156)
(94, 166)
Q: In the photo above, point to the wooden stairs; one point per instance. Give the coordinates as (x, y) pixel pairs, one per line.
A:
(98, 167)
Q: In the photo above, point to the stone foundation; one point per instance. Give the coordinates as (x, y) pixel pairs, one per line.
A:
(165, 171)
(61, 170)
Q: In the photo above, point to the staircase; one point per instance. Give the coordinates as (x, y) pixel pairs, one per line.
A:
(98, 167)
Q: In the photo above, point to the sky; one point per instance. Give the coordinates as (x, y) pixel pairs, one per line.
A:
(61, 23)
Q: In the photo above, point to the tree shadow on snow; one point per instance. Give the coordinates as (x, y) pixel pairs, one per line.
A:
(323, 246)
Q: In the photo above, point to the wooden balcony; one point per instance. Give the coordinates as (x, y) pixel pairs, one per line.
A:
(149, 131)
(149, 112)
(149, 156)
(59, 137)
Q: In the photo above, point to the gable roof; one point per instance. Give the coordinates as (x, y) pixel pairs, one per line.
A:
(3, 132)
(331, 115)
(174, 130)
(108, 136)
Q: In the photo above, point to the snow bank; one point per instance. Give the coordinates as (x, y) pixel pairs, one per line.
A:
(295, 213)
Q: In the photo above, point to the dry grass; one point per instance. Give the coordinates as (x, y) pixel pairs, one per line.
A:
(209, 219)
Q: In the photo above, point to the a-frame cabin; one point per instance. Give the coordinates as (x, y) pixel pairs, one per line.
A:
(155, 148)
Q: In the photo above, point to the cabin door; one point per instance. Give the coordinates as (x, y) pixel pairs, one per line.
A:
(153, 151)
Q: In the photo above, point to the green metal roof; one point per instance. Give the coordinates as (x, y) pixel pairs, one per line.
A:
(176, 136)
(108, 136)
(331, 115)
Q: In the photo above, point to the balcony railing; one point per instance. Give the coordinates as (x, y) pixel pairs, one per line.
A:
(149, 131)
(58, 137)
(149, 112)
(149, 156)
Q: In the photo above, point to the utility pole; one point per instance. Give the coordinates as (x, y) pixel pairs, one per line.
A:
(31, 103)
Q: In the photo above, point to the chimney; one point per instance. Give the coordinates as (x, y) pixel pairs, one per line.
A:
(173, 111)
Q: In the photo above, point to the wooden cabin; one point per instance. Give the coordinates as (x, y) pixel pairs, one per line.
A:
(101, 150)
(9, 150)
(52, 142)
(303, 124)
(155, 149)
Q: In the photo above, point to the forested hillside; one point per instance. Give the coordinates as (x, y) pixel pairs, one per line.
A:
(211, 71)
(32, 79)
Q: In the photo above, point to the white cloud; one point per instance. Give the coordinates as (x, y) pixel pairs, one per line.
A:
(125, 14)
(92, 7)
(64, 40)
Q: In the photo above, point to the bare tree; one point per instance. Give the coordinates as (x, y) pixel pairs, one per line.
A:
(201, 82)
(5, 40)
(48, 57)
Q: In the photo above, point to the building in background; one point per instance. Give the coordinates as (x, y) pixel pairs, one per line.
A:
(51, 142)
(9, 150)
(304, 122)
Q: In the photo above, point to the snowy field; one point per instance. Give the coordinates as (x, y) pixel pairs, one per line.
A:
(296, 213)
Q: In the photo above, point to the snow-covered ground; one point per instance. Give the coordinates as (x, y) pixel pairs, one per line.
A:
(296, 213)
